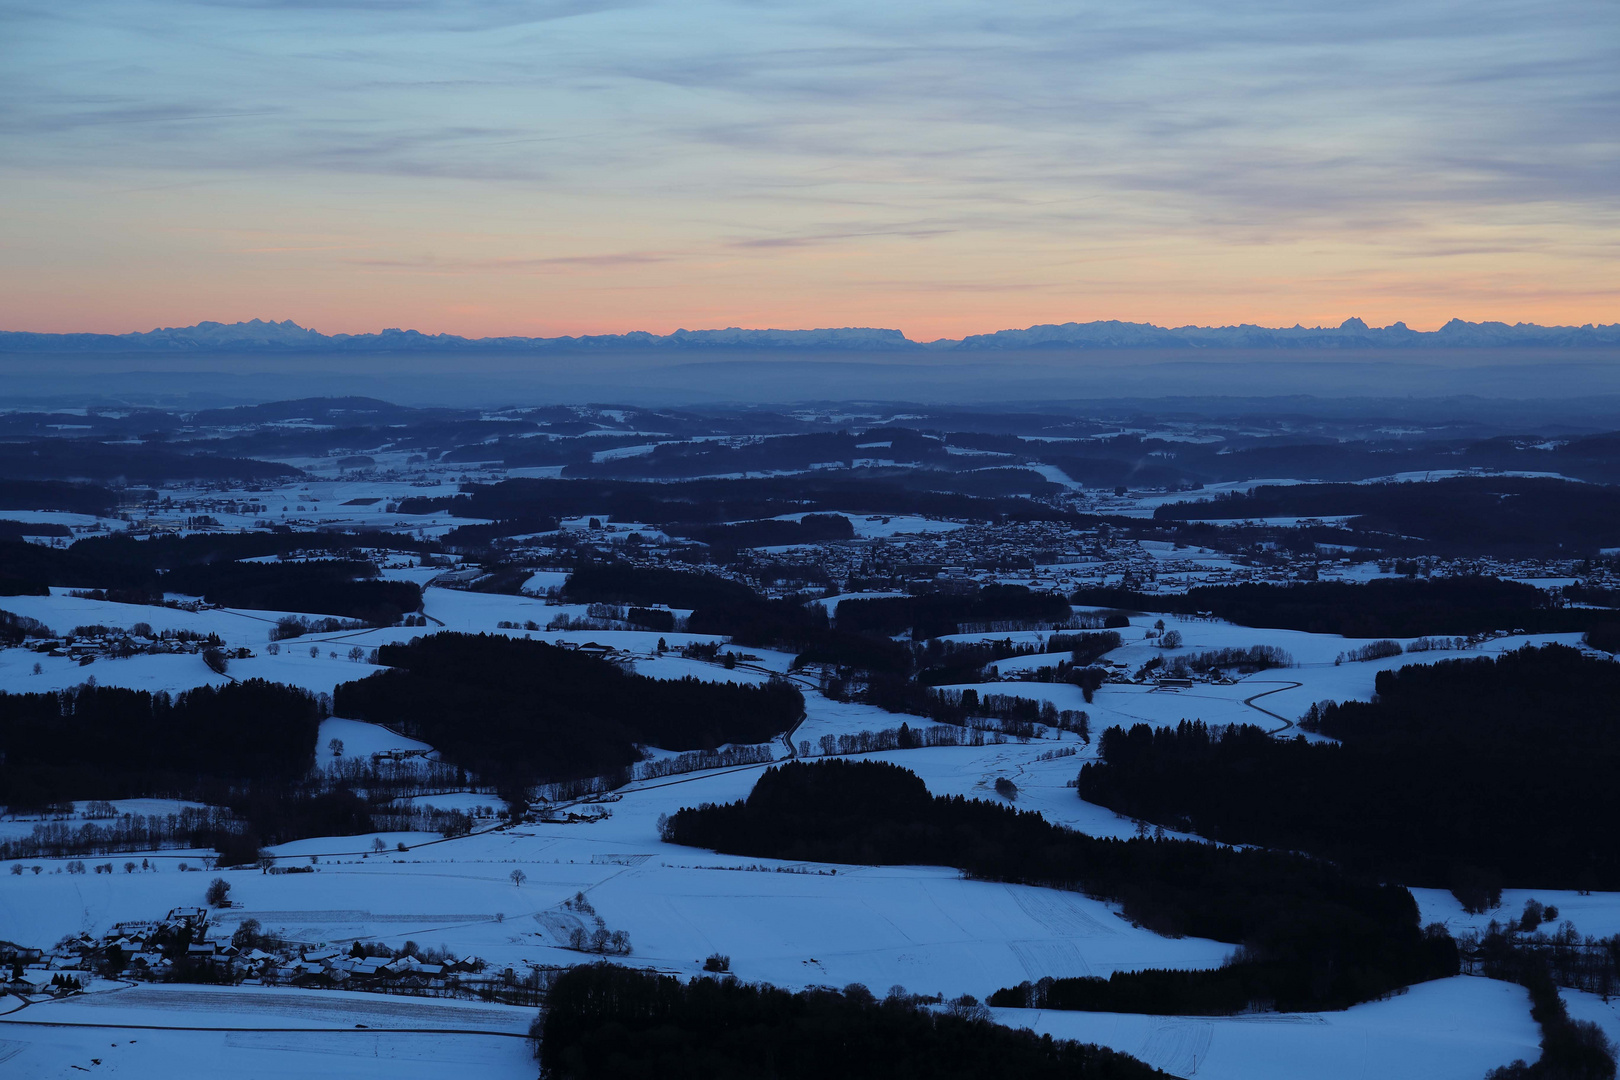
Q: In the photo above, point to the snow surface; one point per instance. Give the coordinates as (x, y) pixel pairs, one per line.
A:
(360, 740)
(1597, 914)
(1449, 1029)
(792, 924)
(261, 1032)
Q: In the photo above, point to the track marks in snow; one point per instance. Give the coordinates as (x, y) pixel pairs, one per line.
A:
(1177, 1045)
(1058, 959)
(1062, 913)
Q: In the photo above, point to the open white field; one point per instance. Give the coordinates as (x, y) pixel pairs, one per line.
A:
(795, 925)
(1592, 1008)
(1288, 692)
(1596, 914)
(1450, 1029)
(360, 740)
(1043, 786)
(159, 1032)
(922, 927)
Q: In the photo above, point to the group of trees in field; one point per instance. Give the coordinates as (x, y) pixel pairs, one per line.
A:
(604, 1021)
(1313, 935)
(519, 711)
(189, 826)
(1541, 963)
(1464, 774)
(1383, 608)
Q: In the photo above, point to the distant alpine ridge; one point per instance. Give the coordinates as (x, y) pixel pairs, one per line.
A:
(288, 336)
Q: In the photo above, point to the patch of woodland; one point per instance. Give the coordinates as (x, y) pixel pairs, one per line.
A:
(1382, 608)
(1464, 774)
(624, 583)
(107, 462)
(106, 742)
(1497, 515)
(76, 498)
(1570, 1049)
(810, 529)
(127, 570)
(607, 1022)
(938, 614)
(524, 711)
(344, 588)
(1313, 936)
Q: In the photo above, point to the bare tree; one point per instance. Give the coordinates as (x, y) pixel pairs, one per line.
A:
(518, 878)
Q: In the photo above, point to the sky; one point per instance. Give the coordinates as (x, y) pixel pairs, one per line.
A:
(573, 166)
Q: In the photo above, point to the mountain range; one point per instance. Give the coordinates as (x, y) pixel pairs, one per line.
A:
(287, 336)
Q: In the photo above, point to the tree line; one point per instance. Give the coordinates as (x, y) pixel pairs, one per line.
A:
(1313, 936)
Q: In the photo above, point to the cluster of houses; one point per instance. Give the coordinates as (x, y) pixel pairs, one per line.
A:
(179, 947)
(117, 645)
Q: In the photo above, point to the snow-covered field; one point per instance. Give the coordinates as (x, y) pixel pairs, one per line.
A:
(922, 927)
(155, 1032)
(1450, 1029)
(795, 925)
(1596, 914)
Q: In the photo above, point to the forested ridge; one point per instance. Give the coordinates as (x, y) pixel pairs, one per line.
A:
(523, 711)
(1314, 936)
(1465, 770)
